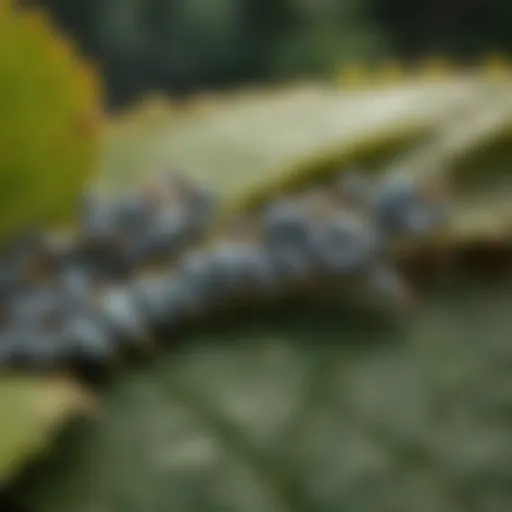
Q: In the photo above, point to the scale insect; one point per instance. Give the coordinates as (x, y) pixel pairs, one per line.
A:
(407, 207)
(96, 301)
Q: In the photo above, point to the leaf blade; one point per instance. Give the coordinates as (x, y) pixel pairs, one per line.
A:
(32, 409)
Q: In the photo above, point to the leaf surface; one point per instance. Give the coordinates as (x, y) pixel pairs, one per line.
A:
(31, 410)
(322, 410)
(251, 140)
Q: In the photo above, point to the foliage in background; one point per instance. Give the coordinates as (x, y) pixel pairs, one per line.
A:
(184, 45)
(51, 105)
(189, 45)
(325, 34)
(462, 29)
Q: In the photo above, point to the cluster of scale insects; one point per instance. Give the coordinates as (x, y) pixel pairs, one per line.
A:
(98, 293)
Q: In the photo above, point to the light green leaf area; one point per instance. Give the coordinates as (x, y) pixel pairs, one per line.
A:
(314, 410)
(255, 141)
(31, 411)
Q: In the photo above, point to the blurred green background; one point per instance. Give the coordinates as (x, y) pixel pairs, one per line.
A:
(188, 45)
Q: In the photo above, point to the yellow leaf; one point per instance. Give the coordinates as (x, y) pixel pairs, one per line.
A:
(31, 410)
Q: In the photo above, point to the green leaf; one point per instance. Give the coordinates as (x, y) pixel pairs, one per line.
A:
(31, 410)
(315, 410)
(476, 157)
(246, 142)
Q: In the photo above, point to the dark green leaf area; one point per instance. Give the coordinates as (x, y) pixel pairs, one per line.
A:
(311, 411)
